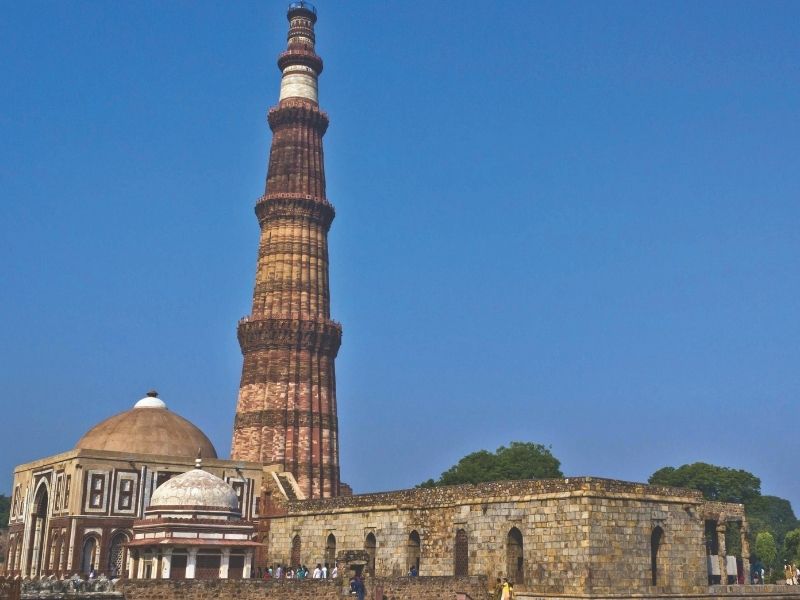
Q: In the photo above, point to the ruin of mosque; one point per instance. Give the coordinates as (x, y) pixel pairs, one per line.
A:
(128, 500)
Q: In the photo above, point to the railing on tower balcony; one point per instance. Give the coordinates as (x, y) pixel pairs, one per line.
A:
(301, 4)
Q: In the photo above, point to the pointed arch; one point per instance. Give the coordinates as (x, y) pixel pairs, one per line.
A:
(515, 557)
(655, 543)
(414, 550)
(296, 550)
(89, 553)
(115, 562)
(330, 551)
(37, 530)
(371, 546)
(461, 554)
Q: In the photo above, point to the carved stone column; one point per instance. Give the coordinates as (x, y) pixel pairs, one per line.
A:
(191, 563)
(166, 563)
(745, 552)
(248, 564)
(224, 563)
(723, 558)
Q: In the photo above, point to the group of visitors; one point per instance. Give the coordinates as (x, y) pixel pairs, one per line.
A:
(503, 589)
(299, 572)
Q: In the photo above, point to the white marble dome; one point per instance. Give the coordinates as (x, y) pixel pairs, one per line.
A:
(196, 489)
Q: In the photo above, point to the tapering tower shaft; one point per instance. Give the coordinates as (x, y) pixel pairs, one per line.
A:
(286, 410)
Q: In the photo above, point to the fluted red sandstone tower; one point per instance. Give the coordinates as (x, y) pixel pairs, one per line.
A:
(286, 411)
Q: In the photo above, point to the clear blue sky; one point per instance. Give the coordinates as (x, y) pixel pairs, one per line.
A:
(570, 223)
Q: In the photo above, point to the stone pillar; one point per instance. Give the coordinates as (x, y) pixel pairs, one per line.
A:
(191, 563)
(224, 563)
(248, 564)
(131, 566)
(166, 563)
(140, 570)
(156, 566)
(723, 560)
(745, 553)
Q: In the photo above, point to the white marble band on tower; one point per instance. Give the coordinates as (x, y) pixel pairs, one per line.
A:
(299, 81)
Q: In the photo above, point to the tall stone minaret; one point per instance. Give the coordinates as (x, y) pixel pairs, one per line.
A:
(286, 411)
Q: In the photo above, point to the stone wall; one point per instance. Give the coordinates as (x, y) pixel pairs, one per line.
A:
(716, 592)
(579, 535)
(404, 588)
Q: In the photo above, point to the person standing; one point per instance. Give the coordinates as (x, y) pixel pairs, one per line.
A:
(325, 571)
(507, 592)
(498, 590)
(317, 572)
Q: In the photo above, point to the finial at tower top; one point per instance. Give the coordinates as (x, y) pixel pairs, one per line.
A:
(302, 6)
(198, 462)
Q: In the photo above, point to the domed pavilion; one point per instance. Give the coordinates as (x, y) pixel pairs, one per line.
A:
(193, 529)
(75, 512)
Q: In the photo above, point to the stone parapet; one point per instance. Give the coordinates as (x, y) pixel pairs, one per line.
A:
(498, 491)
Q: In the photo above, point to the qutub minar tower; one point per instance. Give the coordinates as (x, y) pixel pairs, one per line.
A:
(286, 410)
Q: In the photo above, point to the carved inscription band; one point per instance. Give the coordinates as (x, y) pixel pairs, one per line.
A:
(267, 334)
(279, 418)
(276, 206)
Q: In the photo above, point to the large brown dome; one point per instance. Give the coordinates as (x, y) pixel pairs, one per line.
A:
(148, 428)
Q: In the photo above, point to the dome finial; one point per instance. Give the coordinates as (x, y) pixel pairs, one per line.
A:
(152, 394)
(198, 462)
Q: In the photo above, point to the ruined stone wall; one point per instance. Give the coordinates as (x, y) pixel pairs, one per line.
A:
(230, 589)
(578, 535)
(619, 546)
(406, 588)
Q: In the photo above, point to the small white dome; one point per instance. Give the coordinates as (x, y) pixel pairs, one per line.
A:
(150, 402)
(196, 489)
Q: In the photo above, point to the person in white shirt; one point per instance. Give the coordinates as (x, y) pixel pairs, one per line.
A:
(335, 572)
(317, 572)
(325, 571)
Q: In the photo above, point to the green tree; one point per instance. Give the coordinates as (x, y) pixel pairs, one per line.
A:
(766, 550)
(5, 508)
(791, 546)
(520, 460)
(773, 514)
(764, 513)
(716, 483)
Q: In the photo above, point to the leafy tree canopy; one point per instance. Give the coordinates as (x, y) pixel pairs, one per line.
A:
(5, 508)
(716, 483)
(766, 550)
(520, 460)
(773, 514)
(791, 547)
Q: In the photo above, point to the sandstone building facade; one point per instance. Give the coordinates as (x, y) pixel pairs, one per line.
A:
(75, 511)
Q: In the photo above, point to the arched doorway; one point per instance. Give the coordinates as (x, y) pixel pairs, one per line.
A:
(655, 544)
(88, 554)
(330, 551)
(461, 554)
(413, 555)
(296, 547)
(116, 555)
(38, 531)
(371, 546)
(515, 557)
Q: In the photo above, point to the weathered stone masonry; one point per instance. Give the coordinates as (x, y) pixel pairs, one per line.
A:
(286, 412)
(570, 536)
